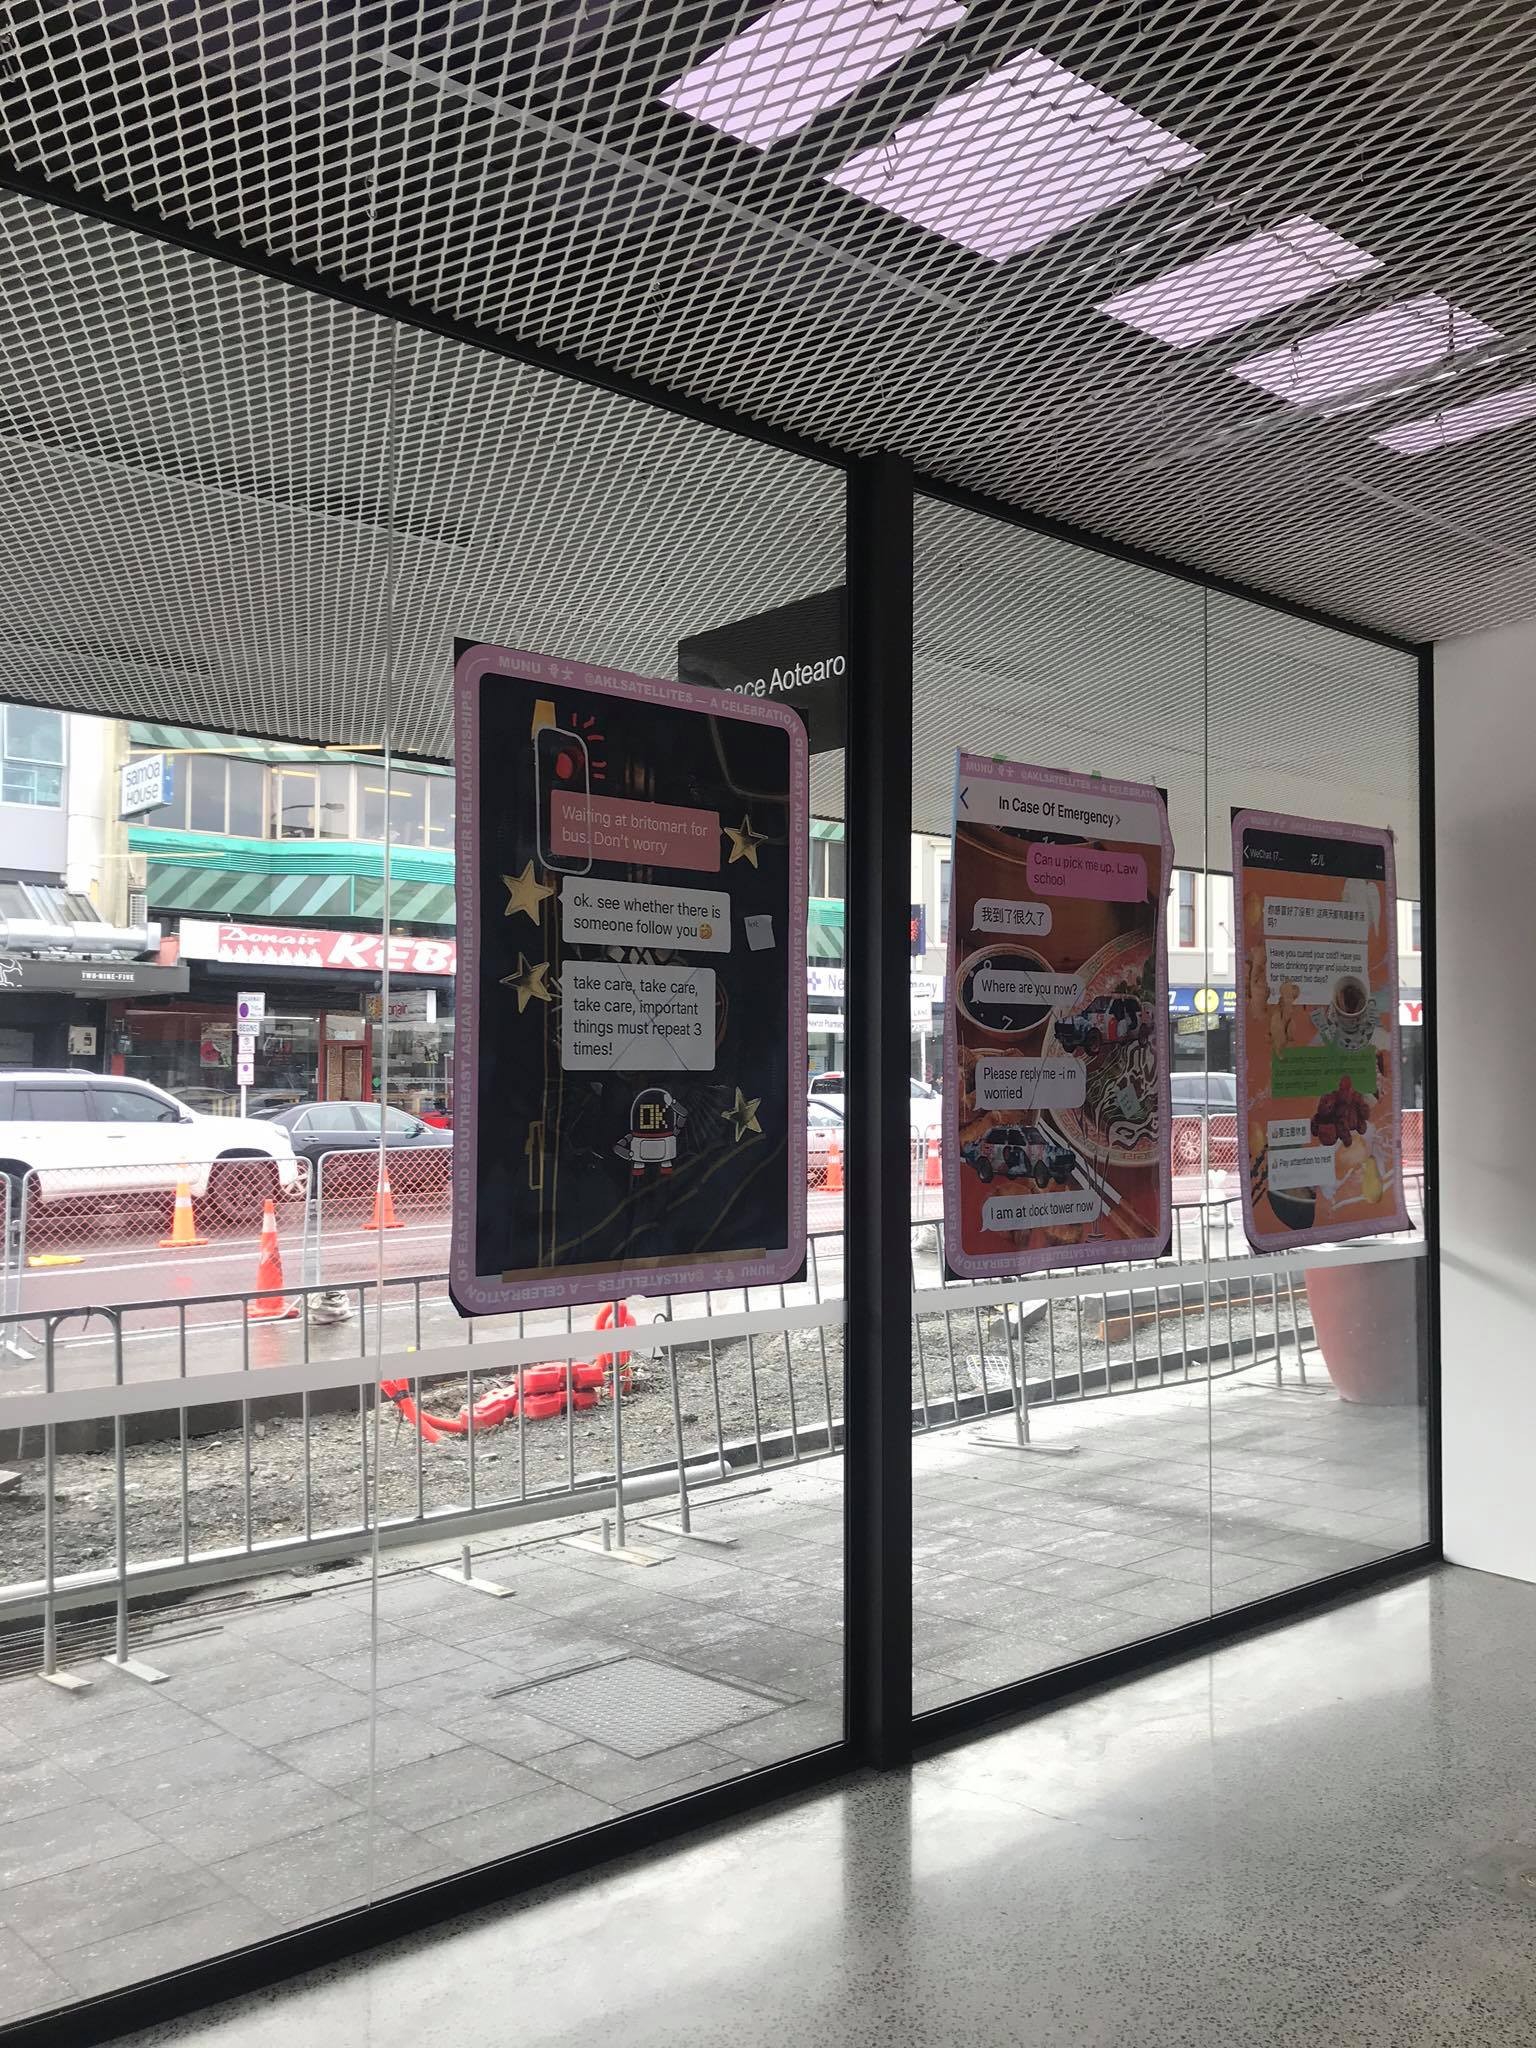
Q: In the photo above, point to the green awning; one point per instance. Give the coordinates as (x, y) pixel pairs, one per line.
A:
(282, 881)
(826, 929)
(185, 739)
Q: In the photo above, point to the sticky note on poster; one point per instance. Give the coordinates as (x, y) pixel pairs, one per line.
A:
(637, 1019)
(598, 913)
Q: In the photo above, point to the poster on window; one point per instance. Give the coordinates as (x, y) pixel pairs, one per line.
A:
(1056, 1053)
(1319, 1089)
(631, 1008)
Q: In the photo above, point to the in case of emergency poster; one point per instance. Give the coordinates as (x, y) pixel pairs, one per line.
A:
(632, 862)
(1056, 1055)
(1319, 1091)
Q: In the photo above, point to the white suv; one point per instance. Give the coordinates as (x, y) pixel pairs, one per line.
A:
(84, 1134)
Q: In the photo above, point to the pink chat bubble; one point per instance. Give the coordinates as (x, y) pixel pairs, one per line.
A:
(645, 835)
(1087, 871)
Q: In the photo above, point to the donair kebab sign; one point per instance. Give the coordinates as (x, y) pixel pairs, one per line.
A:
(1056, 1053)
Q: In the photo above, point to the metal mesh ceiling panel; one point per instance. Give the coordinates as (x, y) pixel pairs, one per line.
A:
(1037, 651)
(666, 191)
(230, 504)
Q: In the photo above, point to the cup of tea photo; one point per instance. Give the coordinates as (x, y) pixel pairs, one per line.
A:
(1346, 1004)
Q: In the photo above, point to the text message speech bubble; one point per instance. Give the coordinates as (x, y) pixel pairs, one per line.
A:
(1026, 990)
(1086, 871)
(650, 835)
(1288, 1132)
(637, 1019)
(1310, 1166)
(1312, 967)
(639, 914)
(1029, 1212)
(1022, 920)
(1293, 917)
(1003, 1082)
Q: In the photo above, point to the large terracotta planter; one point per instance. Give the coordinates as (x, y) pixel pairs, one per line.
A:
(1368, 1323)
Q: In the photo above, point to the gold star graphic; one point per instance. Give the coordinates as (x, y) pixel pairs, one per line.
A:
(528, 983)
(744, 1115)
(525, 894)
(744, 843)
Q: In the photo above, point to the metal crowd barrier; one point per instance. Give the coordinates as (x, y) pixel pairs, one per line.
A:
(749, 1383)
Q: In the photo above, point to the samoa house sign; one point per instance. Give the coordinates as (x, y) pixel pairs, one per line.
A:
(271, 945)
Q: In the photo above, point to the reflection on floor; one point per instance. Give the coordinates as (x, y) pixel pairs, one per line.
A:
(1321, 1838)
(146, 1827)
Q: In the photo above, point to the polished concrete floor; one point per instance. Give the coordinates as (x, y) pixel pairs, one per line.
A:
(150, 1827)
(1325, 1835)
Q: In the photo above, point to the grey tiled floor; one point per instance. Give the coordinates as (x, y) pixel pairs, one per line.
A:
(149, 1827)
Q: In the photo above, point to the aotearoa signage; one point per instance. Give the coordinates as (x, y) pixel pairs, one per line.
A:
(796, 654)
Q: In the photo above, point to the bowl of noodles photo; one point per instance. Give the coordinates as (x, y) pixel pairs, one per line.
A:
(1114, 1031)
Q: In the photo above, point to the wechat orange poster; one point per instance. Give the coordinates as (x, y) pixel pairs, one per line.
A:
(1318, 1050)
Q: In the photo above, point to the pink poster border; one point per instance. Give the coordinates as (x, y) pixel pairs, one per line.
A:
(483, 1294)
(1355, 835)
(1016, 1265)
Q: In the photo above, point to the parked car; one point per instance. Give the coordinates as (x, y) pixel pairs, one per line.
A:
(84, 1134)
(1020, 1152)
(823, 1124)
(1204, 1094)
(316, 1128)
(1107, 1020)
(926, 1105)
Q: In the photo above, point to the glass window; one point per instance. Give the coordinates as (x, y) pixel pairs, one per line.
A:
(32, 735)
(1187, 935)
(52, 1106)
(131, 1106)
(440, 812)
(329, 1116)
(293, 803)
(205, 792)
(402, 805)
(32, 770)
(335, 820)
(943, 877)
(837, 869)
(247, 791)
(1417, 910)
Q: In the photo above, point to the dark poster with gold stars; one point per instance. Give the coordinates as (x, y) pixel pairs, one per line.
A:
(630, 1111)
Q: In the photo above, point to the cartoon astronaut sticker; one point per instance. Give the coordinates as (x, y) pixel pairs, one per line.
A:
(655, 1119)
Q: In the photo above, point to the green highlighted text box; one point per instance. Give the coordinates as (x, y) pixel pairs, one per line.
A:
(1302, 1073)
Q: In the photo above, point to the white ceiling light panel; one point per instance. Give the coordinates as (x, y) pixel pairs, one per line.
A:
(802, 57)
(1026, 152)
(1460, 422)
(1394, 341)
(1231, 287)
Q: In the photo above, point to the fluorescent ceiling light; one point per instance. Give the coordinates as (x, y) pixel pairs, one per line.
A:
(1460, 422)
(1027, 151)
(801, 57)
(1392, 342)
(1232, 286)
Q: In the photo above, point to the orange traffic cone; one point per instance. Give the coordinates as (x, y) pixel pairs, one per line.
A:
(183, 1220)
(933, 1172)
(383, 1217)
(834, 1180)
(271, 1306)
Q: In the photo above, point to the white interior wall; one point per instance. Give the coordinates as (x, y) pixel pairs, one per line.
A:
(1485, 801)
